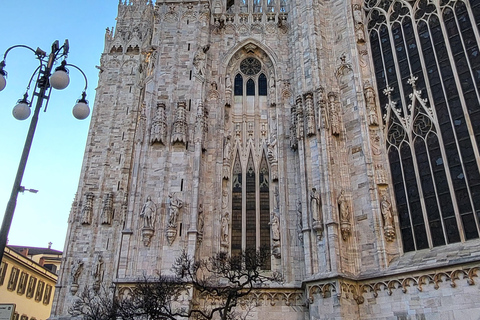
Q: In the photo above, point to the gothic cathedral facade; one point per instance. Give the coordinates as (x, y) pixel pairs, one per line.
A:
(342, 134)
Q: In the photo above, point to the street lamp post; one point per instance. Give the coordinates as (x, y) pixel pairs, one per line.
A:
(46, 80)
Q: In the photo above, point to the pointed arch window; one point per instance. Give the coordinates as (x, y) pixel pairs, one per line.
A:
(262, 85)
(250, 206)
(238, 85)
(426, 59)
(250, 87)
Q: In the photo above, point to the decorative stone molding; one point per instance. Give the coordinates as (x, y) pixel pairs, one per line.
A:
(180, 125)
(351, 289)
(300, 121)
(158, 130)
(87, 210)
(333, 117)
(107, 209)
(310, 114)
(293, 128)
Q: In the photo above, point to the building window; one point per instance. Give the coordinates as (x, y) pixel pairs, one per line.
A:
(262, 85)
(22, 284)
(250, 87)
(31, 287)
(427, 61)
(250, 207)
(47, 295)
(3, 272)
(12, 282)
(39, 292)
(238, 85)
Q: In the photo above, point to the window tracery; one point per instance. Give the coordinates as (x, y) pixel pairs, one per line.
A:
(427, 65)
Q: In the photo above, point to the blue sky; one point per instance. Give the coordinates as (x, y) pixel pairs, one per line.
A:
(56, 156)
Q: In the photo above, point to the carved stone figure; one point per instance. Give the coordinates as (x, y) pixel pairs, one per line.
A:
(199, 61)
(371, 105)
(107, 209)
(386, 209)
(77, 267)
(275, 224)
(227, 149)
(375, 139)
(87, 209)
(344, 212)
(359, 29)
(200, 124)
(158, 131)
(300, 221)
(315, 203)
(148, 213)
(175, 205)
(97, 272)
(224, 199)
(225, 229)
(293, 128)
(201, 219)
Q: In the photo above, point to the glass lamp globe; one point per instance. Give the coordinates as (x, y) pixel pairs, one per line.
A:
(81, 110)
(3, 82)
(59, 79)
(22, 110)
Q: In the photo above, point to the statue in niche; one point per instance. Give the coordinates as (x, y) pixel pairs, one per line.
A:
(199, 61)
(174, 206)
(371, 105)
(333, 113)
(359, 29)
(227, 149)
(148, 213)
(344, 212)
(386, 209)
(107, 209)
(275, 225)
(225, 229)
(87, 209)
(317, 216)
(158, 131)
(272, 88)
(224, 199)
(77, 268)
(272, 149)
(228, 83)
(97, 272)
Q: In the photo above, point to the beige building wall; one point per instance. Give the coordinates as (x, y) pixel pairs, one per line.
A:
(26, 284)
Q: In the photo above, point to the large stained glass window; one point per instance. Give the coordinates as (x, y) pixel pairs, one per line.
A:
(427, 66)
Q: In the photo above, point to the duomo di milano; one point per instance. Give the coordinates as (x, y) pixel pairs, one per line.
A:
(343, 134)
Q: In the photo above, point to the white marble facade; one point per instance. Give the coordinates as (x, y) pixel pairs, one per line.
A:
(175, 138)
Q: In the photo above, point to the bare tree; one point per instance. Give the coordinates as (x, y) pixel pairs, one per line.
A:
(222, 282)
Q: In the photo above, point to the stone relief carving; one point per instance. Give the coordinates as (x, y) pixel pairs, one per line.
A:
(148, 215)
(107, 209)
(174, 207)
(272, 157)
(200, 124)
(345, 214)
(272, 90)
(200, 60)
(77, 268)
(225, 230)
(333, 118)
(310, 114)
(275, 226)
(359, 28)
(299, 221)
(180, 125)
(387, 214)
(375, 140)
(97, 269)
(380, 174)
(200, 223)
(369, 93)
(87, 210)
(158, 130)
(316, 211)
(228, 91)
(227, 154)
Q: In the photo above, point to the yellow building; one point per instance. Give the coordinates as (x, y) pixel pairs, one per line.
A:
(27, 279)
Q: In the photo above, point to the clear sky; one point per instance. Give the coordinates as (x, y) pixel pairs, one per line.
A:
(55, 159)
